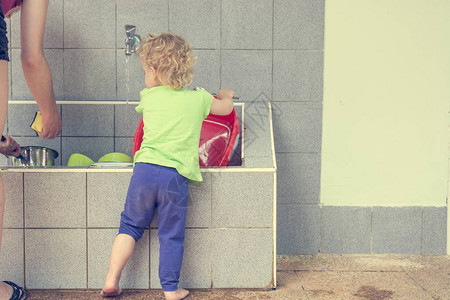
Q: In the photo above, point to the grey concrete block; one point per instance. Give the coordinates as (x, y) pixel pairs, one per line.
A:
(297, 75)
(124, 145)
(299, 24)
(298, 178)
(242, 258)
(207, 70)
(106, 194)
(88, 120)
(203, 17)
(4, 161)
(20, 118)
(12, 256)
(135, 275)
(396, 230)
(126, 120)
(54, 25)
(298, 229)
(93, 147)
(89, 24)
(298, 127)
(434, 232)
(345, 230)
(196, 268)
(247, 24)
(199, 204)
(20, 90)
(13, 28)
(130, 77)
(48, 196)
(89, 74)
(247, 72)
(54, 144)
(50, 254)
(251, 192)
(149, 16)
(239, 110)
(258, 162)
(13, 213)
(5, 127)
(257, 135)
(53, 34)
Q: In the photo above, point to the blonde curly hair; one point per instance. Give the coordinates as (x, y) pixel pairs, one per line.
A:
(170, 55)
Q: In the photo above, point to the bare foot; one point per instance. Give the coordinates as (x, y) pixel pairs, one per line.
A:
(176, 295)
(111, 288)
(6, 291)
(9, 289)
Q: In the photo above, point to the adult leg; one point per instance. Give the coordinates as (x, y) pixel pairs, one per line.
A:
(35, 67)
(3, 114)
(5, 290)
(3, 93)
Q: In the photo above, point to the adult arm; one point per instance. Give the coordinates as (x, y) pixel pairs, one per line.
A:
(35, 67)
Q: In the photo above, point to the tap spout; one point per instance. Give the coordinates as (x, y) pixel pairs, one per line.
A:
(130, 30)
(133, 40)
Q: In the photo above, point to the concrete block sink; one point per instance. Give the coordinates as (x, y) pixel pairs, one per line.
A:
(60, 222)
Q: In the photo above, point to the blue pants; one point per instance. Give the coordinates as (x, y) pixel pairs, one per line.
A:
(153, 186)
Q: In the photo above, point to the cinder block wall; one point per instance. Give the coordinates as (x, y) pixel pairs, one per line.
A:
(263, 49)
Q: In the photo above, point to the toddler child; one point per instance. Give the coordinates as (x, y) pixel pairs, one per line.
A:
(167, 159)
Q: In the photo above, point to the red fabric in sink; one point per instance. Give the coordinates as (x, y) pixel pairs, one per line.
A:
(217, 139)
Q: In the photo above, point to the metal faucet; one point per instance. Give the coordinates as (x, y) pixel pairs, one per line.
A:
(133, 40)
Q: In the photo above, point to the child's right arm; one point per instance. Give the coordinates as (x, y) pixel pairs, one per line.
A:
(224, 104)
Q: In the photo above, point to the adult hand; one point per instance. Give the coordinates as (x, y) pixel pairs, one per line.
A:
(51, 125)
(9, 147)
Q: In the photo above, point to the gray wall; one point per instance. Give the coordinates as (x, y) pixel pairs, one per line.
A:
(263, 49)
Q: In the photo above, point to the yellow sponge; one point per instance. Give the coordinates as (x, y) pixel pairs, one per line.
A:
(37, 123)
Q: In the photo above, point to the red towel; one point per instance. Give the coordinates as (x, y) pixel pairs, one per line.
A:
(10, 6)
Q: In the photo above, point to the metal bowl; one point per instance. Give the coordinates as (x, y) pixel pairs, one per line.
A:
(35, 156)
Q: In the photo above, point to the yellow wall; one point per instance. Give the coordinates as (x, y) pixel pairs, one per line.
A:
(386, 99)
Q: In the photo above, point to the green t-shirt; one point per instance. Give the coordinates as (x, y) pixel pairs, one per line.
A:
(172, 124)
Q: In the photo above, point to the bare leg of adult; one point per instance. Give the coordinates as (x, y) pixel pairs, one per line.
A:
(35, 67)
(5, 290)
(3, 93)
(3, 114)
